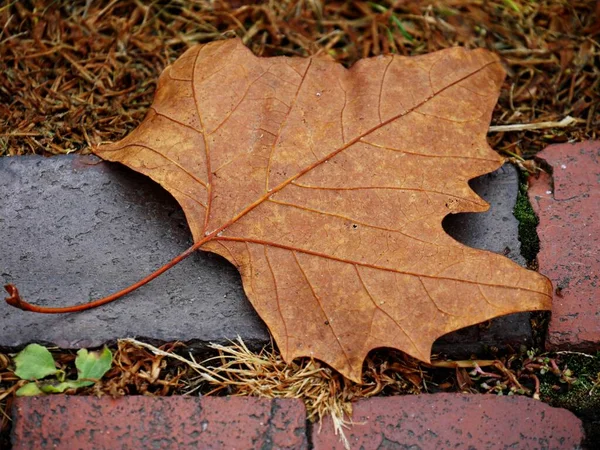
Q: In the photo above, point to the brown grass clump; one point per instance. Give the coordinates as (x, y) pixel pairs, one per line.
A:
(238, 371)
(137, 371)
(77, 73)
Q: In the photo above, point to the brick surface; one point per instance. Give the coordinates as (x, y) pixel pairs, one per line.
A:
(73, 229)
(568, 207)
(444, 421)
(137, 422)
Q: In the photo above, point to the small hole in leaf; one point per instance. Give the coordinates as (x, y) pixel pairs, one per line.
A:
(354, 226)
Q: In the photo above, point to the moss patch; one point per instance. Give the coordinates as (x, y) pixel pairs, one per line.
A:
(582, 397)
(528, 221)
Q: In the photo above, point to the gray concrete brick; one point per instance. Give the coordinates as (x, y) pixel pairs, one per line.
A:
(73, 229)
(73, 232)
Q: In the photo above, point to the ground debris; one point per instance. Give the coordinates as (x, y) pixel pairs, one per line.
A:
(140, 368)
(78, 73)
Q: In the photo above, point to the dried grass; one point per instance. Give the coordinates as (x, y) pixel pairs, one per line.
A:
(140, 368)
(238, 371)
(77, 73)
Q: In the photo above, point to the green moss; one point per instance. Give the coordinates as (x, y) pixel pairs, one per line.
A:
(582, 397)
(528, 221)
(575, 397)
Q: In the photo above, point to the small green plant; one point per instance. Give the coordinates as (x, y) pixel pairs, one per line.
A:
(35, 362)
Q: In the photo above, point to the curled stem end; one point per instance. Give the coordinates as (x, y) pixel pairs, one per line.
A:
(15, 298)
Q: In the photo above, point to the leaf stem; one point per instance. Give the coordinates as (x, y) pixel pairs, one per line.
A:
(16, 300)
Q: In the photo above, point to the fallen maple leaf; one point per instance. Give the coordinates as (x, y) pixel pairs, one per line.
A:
(326, 188)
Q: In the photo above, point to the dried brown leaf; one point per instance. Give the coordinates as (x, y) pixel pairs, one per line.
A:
(326, 188)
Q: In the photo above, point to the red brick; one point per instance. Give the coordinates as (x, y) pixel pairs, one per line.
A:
(444, 421)
(137, 422)
(568, 206)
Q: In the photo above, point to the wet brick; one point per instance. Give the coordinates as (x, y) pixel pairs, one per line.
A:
(568, 206)
(465, 421)
(139, 422)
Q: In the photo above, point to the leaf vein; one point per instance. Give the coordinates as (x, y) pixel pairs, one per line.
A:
(392, 149)
(372, 266)
(175, 163)
(386, 313)
(277, 300)
(385, 71)
(392, 188)
(242, 98)
(283, 122)
(322, 309)
(206, 144)
(312, 166)
(178, 122)
(434, 302)
(350, 219)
